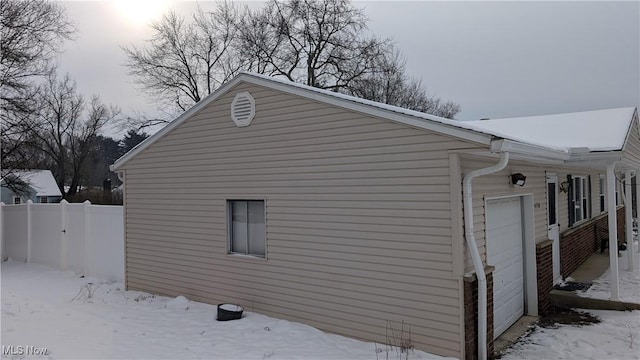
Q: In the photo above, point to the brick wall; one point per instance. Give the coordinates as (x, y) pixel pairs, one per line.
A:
(471, 315)
(580, 242)
(544, 268)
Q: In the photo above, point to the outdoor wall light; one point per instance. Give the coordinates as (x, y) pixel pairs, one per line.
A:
(518, 179)
(564, 187)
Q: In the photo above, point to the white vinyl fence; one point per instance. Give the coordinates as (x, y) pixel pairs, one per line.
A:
(85, 238)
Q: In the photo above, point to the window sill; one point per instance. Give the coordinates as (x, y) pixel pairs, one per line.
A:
(247, 256)
(582, 223)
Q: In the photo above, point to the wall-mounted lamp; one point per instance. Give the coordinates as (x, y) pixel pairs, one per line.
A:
(564, 186)
(518, 179)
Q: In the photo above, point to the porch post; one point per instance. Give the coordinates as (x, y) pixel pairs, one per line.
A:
(613, 231)
(627, 218)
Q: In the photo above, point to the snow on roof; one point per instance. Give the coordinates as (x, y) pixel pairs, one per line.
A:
(42, 181)
(354, 99)
(601, 130)
(598, 130)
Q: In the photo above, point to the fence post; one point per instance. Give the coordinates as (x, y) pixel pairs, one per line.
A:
(64, 239)
(1, 232)
(87, 239)
(29, 203)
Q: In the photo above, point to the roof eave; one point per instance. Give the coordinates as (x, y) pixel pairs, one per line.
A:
(432, 125)
(174, 123)
(534, 152)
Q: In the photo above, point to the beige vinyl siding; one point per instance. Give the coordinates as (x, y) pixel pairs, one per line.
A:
(358, 218)
(498, 185)
(632, 146)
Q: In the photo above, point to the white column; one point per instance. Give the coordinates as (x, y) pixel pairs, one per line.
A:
(64, 238)
(613, 231)
(87, 239)
(628, 218)
(29, 224)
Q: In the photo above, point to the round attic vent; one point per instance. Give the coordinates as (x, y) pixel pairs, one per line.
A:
(243, 109)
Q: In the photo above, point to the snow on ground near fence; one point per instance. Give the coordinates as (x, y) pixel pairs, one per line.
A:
(629, 282)
(85, 238)
(85, 318)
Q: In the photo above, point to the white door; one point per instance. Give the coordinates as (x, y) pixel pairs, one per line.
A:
(553, 225)
(504, 252)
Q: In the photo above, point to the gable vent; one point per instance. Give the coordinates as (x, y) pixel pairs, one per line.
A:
(243, 109)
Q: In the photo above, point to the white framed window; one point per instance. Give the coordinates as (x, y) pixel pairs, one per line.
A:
(618, 185)
(602, 190)
(246, 230)
(579, 199)
(44, 199)
(17, 200)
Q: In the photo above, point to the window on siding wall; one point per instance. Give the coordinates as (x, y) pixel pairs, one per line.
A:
(17, 200)
(579, 199)
(602, 189)
(617, 191)
(246, 228)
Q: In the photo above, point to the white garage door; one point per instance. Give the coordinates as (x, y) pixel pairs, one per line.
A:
(504, 252)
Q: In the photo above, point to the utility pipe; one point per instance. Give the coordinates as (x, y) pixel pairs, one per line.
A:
(473, 249)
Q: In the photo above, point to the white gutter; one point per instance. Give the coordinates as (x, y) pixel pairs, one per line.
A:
(473, 249)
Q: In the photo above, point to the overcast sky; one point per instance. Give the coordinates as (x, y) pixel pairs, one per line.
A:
(496, 59)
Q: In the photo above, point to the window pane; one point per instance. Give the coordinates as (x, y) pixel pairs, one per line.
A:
(577, 198)
(601, 186)
(256, 228)
(551, 191)
(601, 192)
(585, 203)
(238, 226)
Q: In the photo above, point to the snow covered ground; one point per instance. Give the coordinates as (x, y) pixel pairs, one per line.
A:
(617, 337)
(629, 282)
(83, 318)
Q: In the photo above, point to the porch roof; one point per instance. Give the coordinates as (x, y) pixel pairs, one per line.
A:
(590, 131)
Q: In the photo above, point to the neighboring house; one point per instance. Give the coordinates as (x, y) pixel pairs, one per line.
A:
(347, 214)
(41, 187)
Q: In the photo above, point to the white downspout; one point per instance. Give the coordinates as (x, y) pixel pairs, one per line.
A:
(473, 249)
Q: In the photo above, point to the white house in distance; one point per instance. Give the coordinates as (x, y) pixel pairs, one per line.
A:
(354, 216)
(41, 188)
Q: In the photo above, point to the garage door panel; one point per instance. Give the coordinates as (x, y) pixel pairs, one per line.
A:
(505, 253)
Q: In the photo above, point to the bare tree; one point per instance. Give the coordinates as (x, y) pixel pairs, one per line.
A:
(390, 84)
(62, 129)
(185, 61)
(31, 35)
(321, 43)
